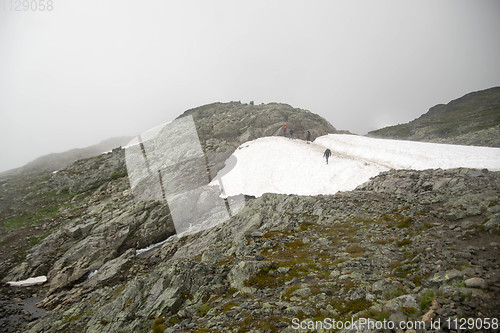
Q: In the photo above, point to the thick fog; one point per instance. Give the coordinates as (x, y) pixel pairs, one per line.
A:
(89, 70)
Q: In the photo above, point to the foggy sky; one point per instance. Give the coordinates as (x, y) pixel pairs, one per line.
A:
(90, 70)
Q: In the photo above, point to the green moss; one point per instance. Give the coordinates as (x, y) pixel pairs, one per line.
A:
(426, 299)
(262, 279)
(290, 290)
(347, 308)
(271, 234)
(173, 320)
(229, 305)
(306, 226)
(37, 239)
(294, 245)
(119, 174)
(409, 311)
(403, 242)
(204, 308)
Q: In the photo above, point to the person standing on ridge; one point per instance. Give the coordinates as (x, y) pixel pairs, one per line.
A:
(327, 154)
(291, 134)
(308, 137)
(284, 129)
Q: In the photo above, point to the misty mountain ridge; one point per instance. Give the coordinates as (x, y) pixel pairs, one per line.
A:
(56, 161)
(405, 245)
(473, 119)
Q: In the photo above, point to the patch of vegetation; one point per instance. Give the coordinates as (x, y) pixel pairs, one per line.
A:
(118, 291)
(347, 308)
(71, 317)
(397, 220)
(158, 325)
(403, 242)
(426, 299)
(271, 234)
(17, 222)
(378, 315)
(173, 320)
(396, 292)
(229, 305)
(226, 261)
(343, 228)
(262, 279)
(119, 174)
(409, 311)
(306, 226)
(383, 241)
(127, 304)
(296, 244)
(204, 308)
(37, 239)
(426, 225)
(355, 250)
(290, 290)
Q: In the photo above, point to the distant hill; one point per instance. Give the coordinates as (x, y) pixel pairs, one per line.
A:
(57, 161)
(473, 119)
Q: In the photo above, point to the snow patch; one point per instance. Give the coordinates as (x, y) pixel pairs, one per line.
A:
(281, 165)
(401, 154)
(152, 246)
(92, 274)
(28, 282)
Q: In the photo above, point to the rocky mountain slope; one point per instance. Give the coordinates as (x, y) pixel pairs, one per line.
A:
(38, 209)
(473, 119)
(405, 245)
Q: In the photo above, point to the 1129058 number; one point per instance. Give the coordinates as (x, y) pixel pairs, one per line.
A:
(27, 5)
(473, 323)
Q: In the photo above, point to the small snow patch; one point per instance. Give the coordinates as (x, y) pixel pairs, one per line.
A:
(92, 274)
(152, 246)
(28, 282)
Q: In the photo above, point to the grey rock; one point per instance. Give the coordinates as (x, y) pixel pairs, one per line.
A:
(476, 282)
(401, 302)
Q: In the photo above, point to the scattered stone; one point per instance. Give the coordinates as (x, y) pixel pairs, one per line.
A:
(476, 282)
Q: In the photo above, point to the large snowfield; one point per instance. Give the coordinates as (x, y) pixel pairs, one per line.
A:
(281, 165)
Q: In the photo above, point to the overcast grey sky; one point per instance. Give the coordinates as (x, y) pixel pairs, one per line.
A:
(89, 70)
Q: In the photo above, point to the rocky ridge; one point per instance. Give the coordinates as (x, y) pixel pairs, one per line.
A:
(473, 119)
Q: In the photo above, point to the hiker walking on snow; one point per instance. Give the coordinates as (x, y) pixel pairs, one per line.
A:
(284, 129)
(308, 137)
(291, 134)
(327, 154)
